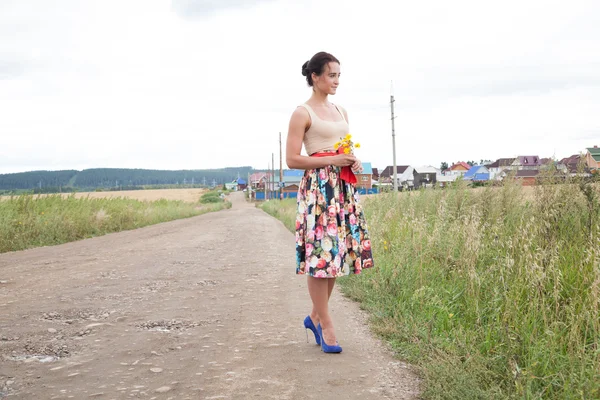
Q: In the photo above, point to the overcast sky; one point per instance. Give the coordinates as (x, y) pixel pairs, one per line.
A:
(194, 84)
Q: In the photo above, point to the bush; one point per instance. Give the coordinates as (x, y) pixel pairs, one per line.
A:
(211, 197)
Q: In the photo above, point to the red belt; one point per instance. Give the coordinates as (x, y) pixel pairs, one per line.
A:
(346, 173)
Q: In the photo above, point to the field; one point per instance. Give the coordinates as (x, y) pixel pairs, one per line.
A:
(187, 195)
(494, 293)
(28, 221)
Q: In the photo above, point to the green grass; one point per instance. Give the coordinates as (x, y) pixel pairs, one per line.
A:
(284, 210)
(32, 221)
(492, 293)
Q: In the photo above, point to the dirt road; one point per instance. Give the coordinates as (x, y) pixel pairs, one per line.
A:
(202, 308)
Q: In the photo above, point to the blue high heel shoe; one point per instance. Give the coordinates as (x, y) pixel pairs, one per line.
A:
(325, 347)
(308, 324)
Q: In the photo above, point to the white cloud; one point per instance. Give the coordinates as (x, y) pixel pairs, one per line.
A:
(156, 84)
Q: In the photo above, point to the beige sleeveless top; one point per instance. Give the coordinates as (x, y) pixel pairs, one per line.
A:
(322, 134)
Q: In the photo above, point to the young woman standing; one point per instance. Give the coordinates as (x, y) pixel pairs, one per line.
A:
(332, 238)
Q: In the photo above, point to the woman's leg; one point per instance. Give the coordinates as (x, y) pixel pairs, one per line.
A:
(319, 291)
(314, 315)
(331, 282)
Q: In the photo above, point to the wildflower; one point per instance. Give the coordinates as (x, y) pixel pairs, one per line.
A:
(450, 315)
(345, 145)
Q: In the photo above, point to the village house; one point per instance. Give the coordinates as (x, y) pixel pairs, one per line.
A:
(592, 157)
(385, 176)
(364, 180)
(477, 173)
(444, 180)
(572, 165)
(276, 188)
(375, 174)
(231, 185)
(527, 177)
(498, 166)
(457, 169)
(291, 182)
(241, 184)
(526, 162)
(425, 176)
(404, 175)
(259, 179)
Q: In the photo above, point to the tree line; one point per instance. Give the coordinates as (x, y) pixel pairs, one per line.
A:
(107, 178)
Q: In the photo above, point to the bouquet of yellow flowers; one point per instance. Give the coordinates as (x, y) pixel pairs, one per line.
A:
(346, 145)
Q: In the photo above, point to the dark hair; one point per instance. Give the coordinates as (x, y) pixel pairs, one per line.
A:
(317, 65)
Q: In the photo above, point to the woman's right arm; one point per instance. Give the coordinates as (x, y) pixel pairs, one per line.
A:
(299, 122)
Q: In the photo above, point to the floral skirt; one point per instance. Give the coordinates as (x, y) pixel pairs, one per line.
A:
(332, 238)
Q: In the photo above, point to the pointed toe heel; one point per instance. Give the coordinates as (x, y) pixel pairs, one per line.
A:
(325, 347)
(308, 324)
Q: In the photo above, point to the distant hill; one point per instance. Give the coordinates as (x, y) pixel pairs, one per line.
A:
(106, 178)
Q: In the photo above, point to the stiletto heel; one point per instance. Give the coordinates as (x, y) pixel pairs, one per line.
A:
(308, 324)
(336, 348)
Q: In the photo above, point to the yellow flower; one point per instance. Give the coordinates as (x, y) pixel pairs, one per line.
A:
(451, 315)
(348, 136)
(336, 145)
(346, 150)
(357, 145)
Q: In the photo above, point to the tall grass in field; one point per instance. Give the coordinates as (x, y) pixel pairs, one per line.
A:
(493, 293)
(31, 221)
(284, 210)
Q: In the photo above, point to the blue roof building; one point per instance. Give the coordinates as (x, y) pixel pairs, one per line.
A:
(477, 173)
(367, 168)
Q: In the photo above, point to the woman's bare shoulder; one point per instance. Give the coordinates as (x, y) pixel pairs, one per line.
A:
(301, 114)
(300, 110)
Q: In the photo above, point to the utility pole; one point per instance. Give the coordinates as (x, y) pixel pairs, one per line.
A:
(395, 171)
(280, 168)
(268, 182)
(273, 171)
(249, 187)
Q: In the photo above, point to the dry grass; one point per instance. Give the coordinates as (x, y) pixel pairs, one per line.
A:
(191, 195)
(29, 221)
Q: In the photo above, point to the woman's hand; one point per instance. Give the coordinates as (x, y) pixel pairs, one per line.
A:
(357, 167)
(344, 160)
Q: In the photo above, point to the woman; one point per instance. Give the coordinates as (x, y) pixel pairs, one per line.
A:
(332, 239)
